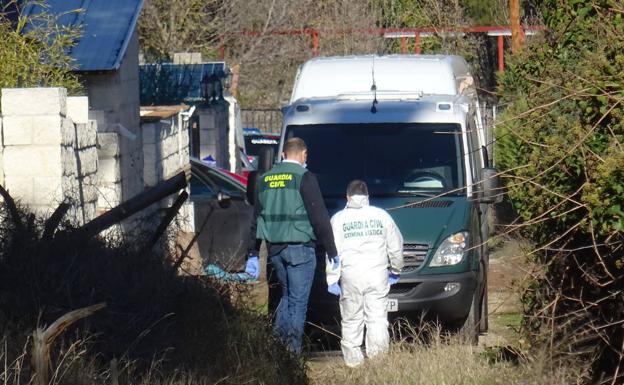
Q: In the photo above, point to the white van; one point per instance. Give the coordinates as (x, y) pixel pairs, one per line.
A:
(409, 126)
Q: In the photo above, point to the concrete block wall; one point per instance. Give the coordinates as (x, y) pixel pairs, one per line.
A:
(47, 158)
(165, 149)
(109, 171)
(213, 135)
(165, 154)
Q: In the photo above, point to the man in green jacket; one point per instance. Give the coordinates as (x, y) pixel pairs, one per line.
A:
(291, 217)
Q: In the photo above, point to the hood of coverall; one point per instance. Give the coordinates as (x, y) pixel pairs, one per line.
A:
(357, 201)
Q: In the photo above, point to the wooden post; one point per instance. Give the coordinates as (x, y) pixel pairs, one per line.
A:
(133, 205)
(403, 45)
(167, 219)
(517, 36)
(43, 340)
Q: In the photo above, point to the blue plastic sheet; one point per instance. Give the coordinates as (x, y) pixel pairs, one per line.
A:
(215, 271)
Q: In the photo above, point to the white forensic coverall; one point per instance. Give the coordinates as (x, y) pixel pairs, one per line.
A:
(368, 241)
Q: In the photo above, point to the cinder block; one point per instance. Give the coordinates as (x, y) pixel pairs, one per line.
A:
(68, 132)
(86, 135)
(150, 155)
(1, 168)
(89, 211)
(150, 132)
(90, 192)
(88, 161)
(33, 161)
(78, 109)
(150, 174)
(47, 129)
(108, 145)
(48, 191)
(17, 130)
(109, 196)
(87, 156)
(21, 188)
(34, 101)
(68, 157)
(170, 146)
(207, 120)
(109, 171)
(71, 187)
(171, 166)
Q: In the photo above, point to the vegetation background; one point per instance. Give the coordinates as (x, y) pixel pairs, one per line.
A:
(268, 62)
(559, 147)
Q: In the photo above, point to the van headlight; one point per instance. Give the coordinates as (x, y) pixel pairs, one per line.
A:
(451, 250)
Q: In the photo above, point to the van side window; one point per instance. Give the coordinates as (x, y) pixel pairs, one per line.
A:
(475, 149)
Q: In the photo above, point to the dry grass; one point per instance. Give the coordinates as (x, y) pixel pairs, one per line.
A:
(439, 364)
(159, 327)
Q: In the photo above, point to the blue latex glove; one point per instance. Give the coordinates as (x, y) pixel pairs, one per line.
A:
(334, 289)
(335, 262)
(393, 278)
(253, 266)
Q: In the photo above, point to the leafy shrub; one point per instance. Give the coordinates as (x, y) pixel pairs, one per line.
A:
(561, 141)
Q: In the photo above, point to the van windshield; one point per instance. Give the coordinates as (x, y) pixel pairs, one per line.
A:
(392, 158)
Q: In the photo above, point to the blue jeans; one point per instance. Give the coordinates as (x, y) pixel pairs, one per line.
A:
(294, 267)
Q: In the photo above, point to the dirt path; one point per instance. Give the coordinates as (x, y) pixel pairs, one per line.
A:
(507, 271)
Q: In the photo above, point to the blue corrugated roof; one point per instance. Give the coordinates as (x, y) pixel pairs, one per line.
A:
(107, 26)
(166, 84)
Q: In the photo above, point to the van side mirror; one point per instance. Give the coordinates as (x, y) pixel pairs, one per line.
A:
(491, 191)
(252, 187)
(266, 157)
(265, 162)
(224, 200)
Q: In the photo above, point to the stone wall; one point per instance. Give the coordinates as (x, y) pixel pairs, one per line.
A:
(47, 157)
(109, 171)
(165, 149)
(165, 154)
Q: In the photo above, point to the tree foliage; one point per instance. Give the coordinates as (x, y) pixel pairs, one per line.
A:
(268, 61)
(34, 51)
(168, 26)
(561, 141)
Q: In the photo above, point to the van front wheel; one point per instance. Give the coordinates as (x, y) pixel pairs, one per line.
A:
(469, 332)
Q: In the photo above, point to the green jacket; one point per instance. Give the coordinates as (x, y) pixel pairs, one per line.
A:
(283, 217)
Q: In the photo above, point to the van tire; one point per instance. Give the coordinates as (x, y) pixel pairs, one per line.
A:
(469, 331)
(483, 319)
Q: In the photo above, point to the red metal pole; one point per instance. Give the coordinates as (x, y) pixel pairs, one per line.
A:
(417, 43)
(222, 47)
(403, 44)
(501, 53)
(315, 42)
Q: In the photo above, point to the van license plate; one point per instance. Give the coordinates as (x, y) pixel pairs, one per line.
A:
(393, 304)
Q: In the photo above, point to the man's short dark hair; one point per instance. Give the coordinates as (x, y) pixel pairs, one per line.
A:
(357, 187)
(294, 146)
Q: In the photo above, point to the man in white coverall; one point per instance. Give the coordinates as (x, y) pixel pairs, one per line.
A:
(371, 257)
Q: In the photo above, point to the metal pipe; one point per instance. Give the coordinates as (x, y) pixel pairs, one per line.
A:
(501, 53)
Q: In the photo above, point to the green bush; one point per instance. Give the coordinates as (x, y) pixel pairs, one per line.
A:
(34, 49)
(561, 141)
